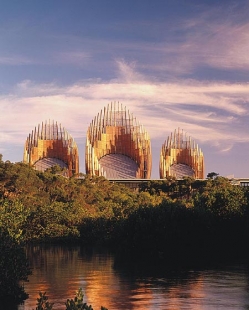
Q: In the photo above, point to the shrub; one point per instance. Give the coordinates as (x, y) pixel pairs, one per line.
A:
(71, 304)
(12, 273)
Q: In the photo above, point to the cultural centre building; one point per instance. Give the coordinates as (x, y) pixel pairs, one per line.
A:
(117, 147)
(49, 144)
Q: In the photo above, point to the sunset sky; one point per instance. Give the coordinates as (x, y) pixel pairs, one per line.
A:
(173, 64)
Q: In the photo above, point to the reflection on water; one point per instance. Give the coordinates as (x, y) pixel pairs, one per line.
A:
(61, 271)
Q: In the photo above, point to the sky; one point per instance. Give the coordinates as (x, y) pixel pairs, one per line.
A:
(173, 64)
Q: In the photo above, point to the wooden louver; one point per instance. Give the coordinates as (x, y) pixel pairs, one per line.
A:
(180, 156)
(115, 137)
(50, 144)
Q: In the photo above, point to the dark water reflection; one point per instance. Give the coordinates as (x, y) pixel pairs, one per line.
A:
(117, 284)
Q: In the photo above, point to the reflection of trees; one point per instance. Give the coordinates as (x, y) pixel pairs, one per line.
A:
(185, 284)
(14, 270)
(160, 277)
(61, 270)
(130, 283)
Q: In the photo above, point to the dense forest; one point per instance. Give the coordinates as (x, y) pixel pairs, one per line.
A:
(166, 218)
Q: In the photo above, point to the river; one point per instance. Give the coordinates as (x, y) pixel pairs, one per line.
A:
(61, 270)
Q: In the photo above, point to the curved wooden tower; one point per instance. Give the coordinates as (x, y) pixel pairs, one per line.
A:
(50, 144)
(117, 146)
(180, 156)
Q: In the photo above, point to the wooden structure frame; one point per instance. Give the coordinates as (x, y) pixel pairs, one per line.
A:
(51, 141)
(180, 156)
(115, 131)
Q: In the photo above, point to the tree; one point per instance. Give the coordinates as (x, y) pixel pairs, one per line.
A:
(212, 175)
(14, 269)
(221, 198)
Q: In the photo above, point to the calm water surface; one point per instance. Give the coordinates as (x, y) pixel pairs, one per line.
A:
(61, 271)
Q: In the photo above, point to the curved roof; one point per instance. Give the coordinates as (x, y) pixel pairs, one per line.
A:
(46, 163)
(118, 166)
(181, 170)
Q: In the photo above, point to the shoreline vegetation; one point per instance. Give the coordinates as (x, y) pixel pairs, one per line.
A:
(166, 219)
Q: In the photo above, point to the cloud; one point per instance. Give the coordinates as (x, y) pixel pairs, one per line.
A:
(15, 60)
(127, 72)
(208, 111)
(78, 58)
(225, 46)
(216, 38)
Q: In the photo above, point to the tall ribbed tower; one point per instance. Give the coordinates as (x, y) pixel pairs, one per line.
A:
(48, 145)
(117, 146)
(180, 156)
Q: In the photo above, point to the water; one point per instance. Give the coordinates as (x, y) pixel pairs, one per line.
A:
(61, 270)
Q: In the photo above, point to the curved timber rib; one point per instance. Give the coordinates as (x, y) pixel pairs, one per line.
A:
(50, 144)
(115, 131)
(180, 156)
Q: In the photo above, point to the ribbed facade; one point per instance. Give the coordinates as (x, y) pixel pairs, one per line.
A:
(180, 156)
(117, 146)
(50, 144)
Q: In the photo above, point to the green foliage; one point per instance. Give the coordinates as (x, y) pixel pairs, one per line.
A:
(167, 186)
(14, 268)
(155, 229)
(47, 206)
(212, 175)
(164, 216)
(77, 302)
(221, 198)
(171, 188)
(44, 206)
(13, 217)
(71, 304)
(42, 303)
